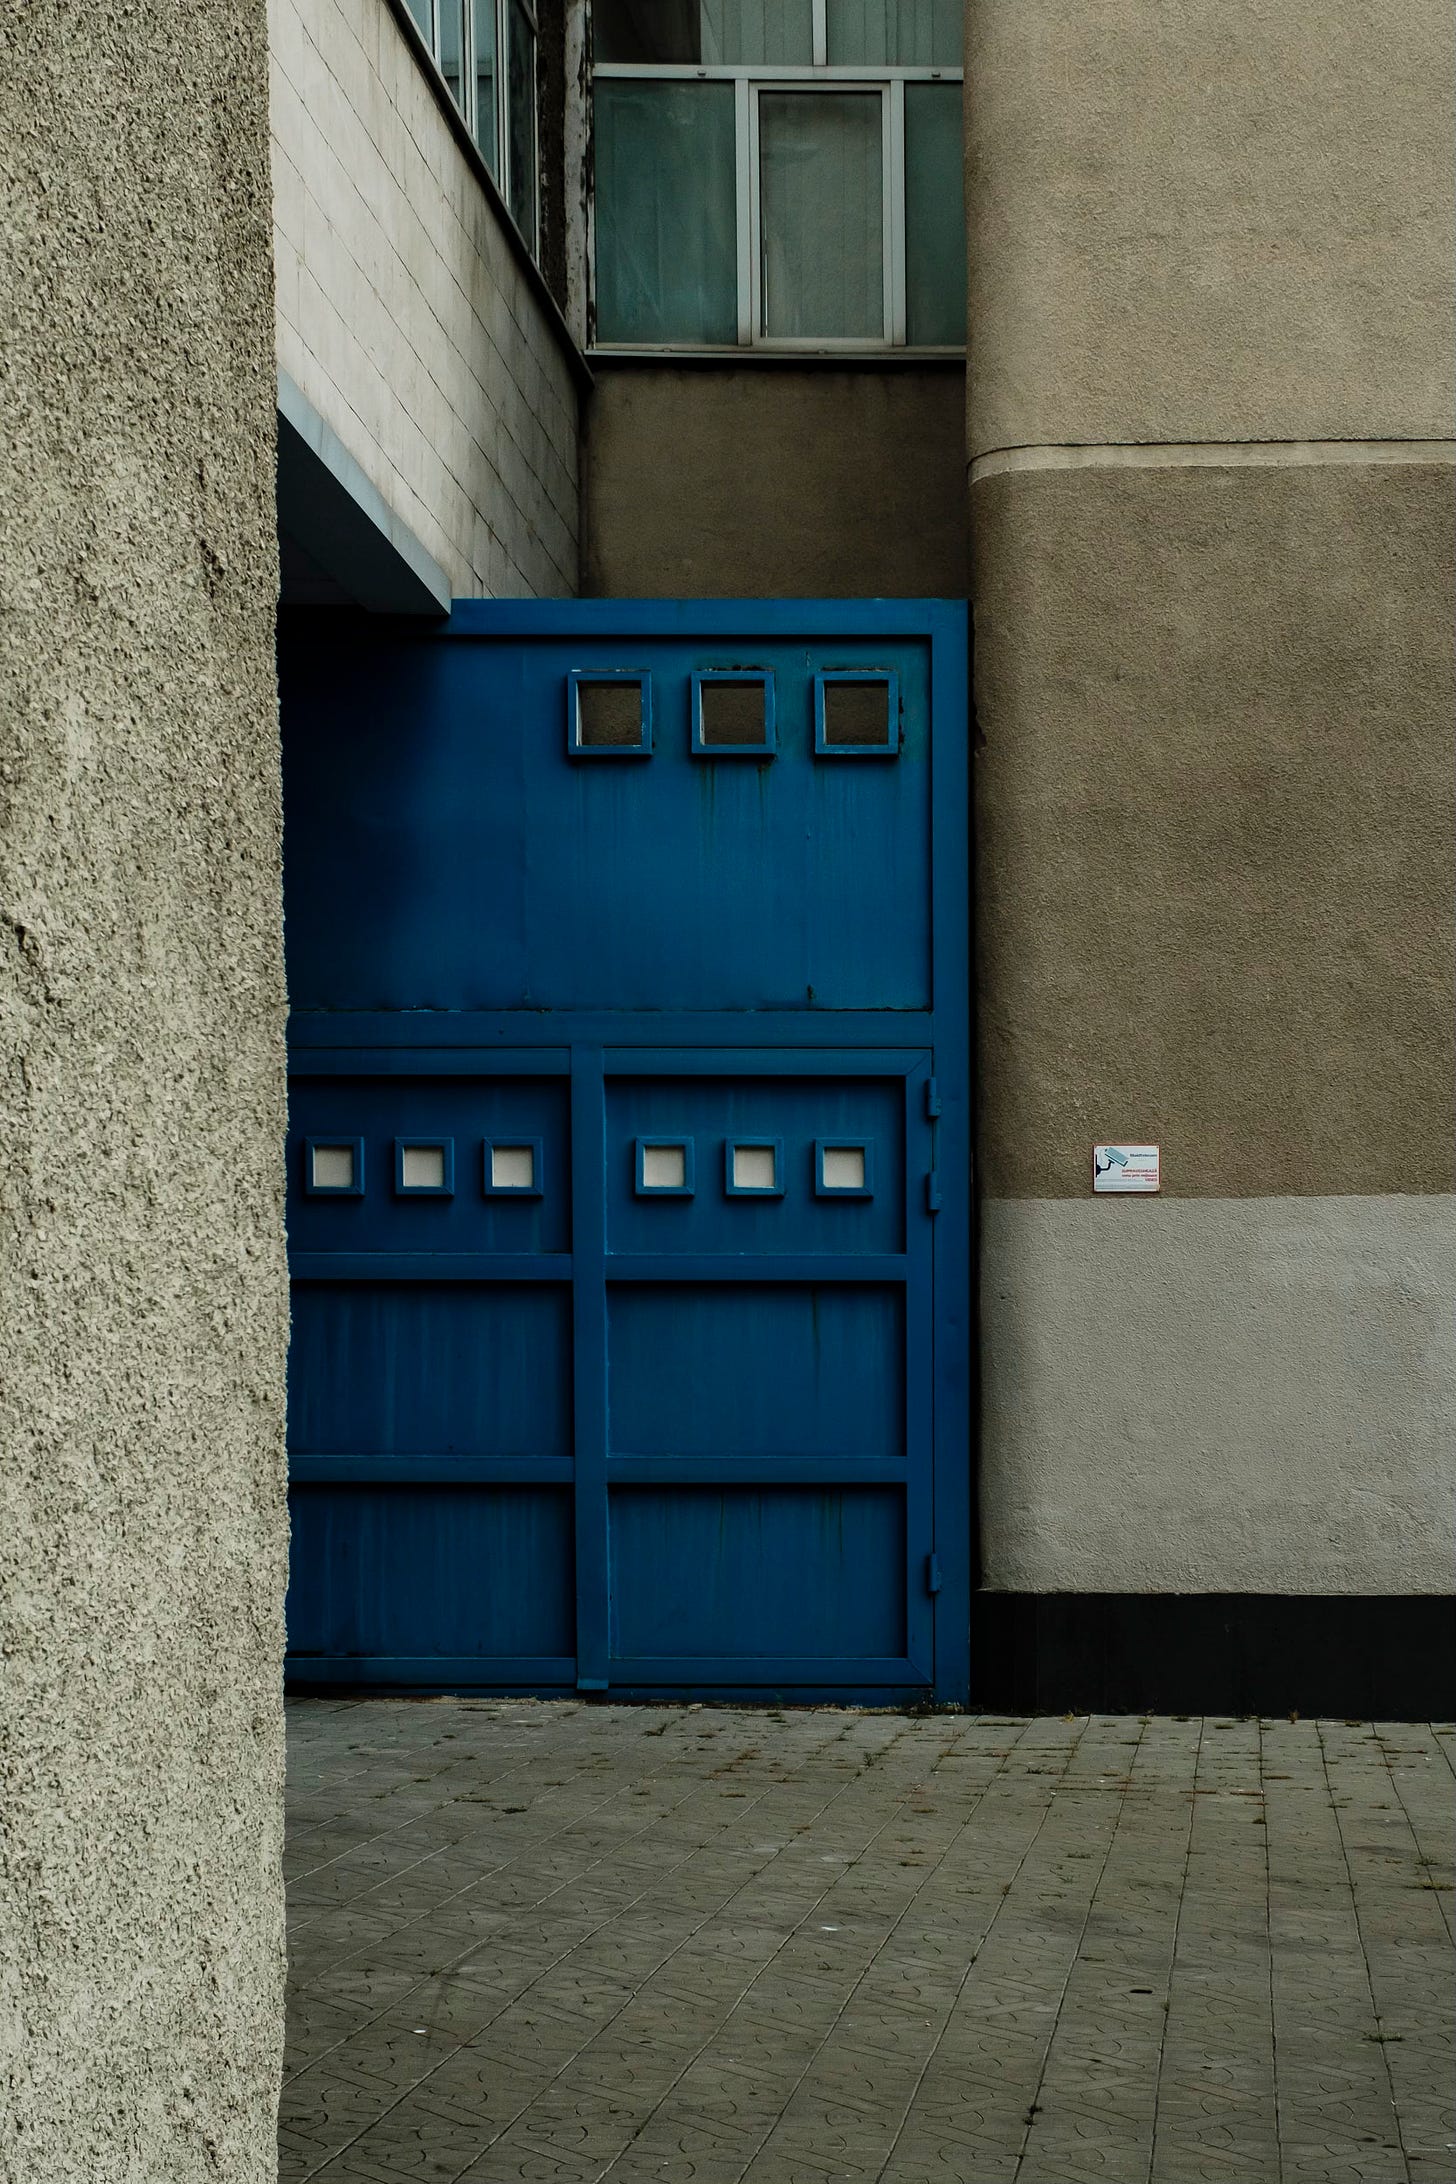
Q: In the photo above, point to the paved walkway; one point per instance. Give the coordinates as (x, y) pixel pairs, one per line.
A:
(569, 1942)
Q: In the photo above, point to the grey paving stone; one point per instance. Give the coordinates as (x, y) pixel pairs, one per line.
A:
(714, 1946)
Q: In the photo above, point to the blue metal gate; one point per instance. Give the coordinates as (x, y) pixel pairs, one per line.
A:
(628, 1157)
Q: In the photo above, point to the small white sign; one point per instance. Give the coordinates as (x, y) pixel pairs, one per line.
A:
(1125, 1168)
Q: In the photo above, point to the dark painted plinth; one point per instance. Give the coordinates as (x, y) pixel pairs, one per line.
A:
(1388, 1658)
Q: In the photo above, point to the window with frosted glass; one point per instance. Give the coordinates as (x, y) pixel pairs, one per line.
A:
(935, 234)
(717, 32)
(484, 25)
(778, 173)
(521, 117)
(666, 212)
(902, 33)
(485, 51)
(821, 161)
(450, 46)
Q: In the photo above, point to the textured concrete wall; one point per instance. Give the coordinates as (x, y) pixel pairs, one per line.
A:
(759, 481)
(143, 1314)
(1211, 511)
(404, 314)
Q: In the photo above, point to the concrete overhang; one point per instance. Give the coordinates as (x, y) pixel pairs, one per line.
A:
(341, 543)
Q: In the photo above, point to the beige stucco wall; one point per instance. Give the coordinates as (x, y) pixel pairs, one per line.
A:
(1209, 223)
(405, 316)
(761, 481)
(1211, 503)
(142, 1293)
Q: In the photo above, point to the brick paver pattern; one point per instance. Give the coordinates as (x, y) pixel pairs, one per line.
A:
(569, 1942)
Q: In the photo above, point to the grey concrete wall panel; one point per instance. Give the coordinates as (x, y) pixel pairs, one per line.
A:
(143, 1314)
(1217, 860)
(762, 481)
(406, 316)
(1190, 222)
(1242, 1396)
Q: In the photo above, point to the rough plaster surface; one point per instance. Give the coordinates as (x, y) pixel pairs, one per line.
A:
(143, 1314)
(752, 481)
(1190, 222)
(404, 315)
(1217, 863)
(1246, 1395)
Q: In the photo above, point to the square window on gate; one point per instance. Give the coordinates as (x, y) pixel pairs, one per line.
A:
(857, 713)
(424, 1167)
(513, 1168)
(754, 1167)
(609, 713)
(843, 1168)
(664, 1167)
(733, 713)
(333, 1167)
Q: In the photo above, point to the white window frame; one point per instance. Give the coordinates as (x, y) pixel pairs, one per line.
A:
(466, 106)
(750, 81)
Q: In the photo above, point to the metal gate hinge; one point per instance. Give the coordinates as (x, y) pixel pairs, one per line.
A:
(932, 1098)
(932, 1573)
(932, 1192)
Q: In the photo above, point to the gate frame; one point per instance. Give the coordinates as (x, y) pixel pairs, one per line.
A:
(383, 1043)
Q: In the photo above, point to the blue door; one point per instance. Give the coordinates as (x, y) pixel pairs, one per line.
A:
(628, 1157)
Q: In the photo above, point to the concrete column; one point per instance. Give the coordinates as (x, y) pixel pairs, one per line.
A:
(1210, 476)
(142, 1284)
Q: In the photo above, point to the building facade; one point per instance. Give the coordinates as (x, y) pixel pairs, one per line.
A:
(324, 319)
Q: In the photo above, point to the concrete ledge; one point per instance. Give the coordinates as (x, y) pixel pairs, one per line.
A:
(343, 523)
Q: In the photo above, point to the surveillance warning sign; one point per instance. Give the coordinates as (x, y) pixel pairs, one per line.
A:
(1125, 1168)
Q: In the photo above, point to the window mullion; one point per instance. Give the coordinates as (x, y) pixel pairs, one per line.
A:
(745, 140)
(821, 33)
(895, 311)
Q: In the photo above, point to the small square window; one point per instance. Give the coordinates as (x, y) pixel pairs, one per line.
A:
(754, 1167)
(843, 1168)
(424, 1167)
(857, 714)
(513, 1168)
(733, 713)
(333, 1167)
(609, 713)
(664, 1167)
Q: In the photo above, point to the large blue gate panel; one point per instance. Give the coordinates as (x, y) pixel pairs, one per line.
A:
(756, 1369)
(430, 1368)
(415, 1573)
(656, 882)
(797, 1112)
(742, 1573)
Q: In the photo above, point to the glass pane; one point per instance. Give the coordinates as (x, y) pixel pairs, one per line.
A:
(449, 52)
(484, 22)
(935, 219)
(423, 13)
(717, 33)
(521, 119)
(823, 214)
(666, 207)
(897, 33)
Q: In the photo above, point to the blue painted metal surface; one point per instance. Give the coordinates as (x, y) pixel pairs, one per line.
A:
(552, 1426)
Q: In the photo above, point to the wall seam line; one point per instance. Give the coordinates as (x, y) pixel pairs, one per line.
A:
(1205, 454)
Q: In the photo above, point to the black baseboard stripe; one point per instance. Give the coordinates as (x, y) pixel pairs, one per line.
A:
(1385, 1658)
